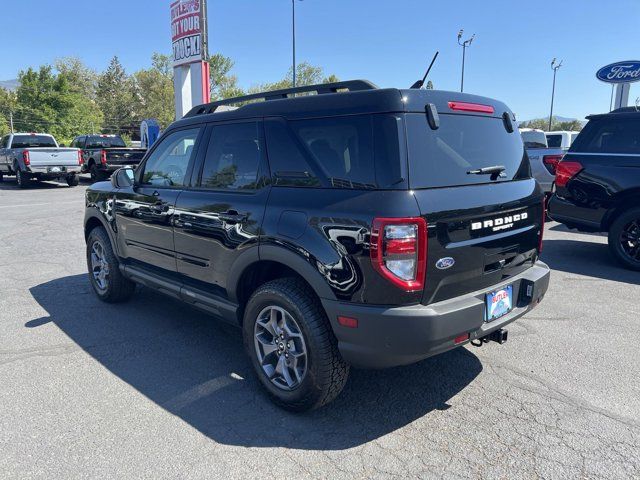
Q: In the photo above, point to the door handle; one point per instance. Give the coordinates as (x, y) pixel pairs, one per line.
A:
(231, 216)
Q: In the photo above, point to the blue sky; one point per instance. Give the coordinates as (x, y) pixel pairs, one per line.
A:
(388, 42)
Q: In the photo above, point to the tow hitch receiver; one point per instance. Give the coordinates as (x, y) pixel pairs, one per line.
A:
(499, 336)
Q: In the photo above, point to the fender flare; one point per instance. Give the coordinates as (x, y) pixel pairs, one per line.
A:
(285, 256)
(94, 213)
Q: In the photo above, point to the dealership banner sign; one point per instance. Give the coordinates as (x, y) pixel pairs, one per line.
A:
(188, 31)
(620, 72)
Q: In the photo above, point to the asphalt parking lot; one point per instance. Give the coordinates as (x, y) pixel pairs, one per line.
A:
(154, 389)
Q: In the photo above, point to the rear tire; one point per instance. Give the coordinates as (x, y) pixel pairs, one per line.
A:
(73, 180)
(96, 174)
(22, 178)
(104, 269)
(624, 239)
(323, 374)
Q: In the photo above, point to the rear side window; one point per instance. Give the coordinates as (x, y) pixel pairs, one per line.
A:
(443, 157)
(609, 135)
(32, 141)
(233, 157)
(355, 152)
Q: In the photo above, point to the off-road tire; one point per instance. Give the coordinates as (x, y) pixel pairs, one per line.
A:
(615, 232)
(73, 180)
(22, 179)
(327, 372)
(119, 288)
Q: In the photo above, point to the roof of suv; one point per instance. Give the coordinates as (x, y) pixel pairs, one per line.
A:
(626, 111)
(333, 99)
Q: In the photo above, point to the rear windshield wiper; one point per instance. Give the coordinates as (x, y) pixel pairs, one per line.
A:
(495, 171)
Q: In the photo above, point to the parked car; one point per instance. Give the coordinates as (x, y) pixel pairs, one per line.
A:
(371, 227)
(561, 139)
(598, 183)
(543, 159)
(103, 154)
(37, 156)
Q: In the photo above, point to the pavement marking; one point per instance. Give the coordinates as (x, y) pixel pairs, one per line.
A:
(39, 204)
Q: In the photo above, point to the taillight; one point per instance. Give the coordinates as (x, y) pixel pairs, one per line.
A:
(544, 220)
(25, 158)
(398, 250)
(565, 171)
(551, 162)
(80, 159)
(103, 157)
(471, 107)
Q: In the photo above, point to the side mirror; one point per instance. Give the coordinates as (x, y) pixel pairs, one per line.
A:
(123, 177)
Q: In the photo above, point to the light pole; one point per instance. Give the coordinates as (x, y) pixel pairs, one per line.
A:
(293, 30)
(464, 46)
(554, 66)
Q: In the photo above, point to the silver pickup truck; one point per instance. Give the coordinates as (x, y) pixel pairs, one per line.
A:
(38, 156)
(543, 159)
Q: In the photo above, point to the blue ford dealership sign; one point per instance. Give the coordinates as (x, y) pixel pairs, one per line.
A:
(620, 72)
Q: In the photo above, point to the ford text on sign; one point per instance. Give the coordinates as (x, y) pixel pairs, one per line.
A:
(620, 72)
(186, 31)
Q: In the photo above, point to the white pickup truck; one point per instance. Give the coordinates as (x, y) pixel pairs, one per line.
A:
(38, 156)
(543, 159)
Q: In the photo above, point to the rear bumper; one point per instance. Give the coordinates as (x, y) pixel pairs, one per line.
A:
(567, 212)
(392, 336)
(46, 170)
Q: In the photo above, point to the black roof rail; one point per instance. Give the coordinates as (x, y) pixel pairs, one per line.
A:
(350, 85)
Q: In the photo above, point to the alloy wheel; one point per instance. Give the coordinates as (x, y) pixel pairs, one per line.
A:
(280, 347)
(99, 266)
(630, 240)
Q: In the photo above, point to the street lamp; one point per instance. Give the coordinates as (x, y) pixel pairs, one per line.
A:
(554, 66)
(293, 29)
(464, 46)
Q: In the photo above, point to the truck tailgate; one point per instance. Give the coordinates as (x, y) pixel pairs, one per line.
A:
(43, 157)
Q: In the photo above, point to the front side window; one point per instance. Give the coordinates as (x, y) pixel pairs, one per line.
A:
(167, 165)
(233, 157)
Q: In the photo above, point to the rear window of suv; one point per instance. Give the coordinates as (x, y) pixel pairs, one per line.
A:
(443, 157)
(609, 135)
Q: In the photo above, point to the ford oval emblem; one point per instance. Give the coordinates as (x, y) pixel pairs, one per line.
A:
(620, 72)
(444, 263)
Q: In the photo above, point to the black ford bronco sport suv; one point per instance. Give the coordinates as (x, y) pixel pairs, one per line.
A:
(337, 224)
(597, 187)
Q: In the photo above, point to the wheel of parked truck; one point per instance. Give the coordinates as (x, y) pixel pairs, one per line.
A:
(73, 180)
(624, 239)
(22, 178)
(104, 272)
(96, 174)
(292, 347)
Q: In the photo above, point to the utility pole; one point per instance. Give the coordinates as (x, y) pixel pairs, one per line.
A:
(554, 66)
(293, 31)
(11, 121)
(613, 86)
(464, 46)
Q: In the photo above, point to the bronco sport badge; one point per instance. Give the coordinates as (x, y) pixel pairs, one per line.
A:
(500, 223)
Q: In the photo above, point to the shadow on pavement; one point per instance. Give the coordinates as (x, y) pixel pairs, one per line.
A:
(195, 368)
(559, 227)
(586, 258)
(9, 183)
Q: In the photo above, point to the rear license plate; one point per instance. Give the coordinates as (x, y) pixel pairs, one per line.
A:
(499, 303)
(55, 170)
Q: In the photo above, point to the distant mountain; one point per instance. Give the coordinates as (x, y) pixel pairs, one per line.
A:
(9, 84)
(557, 118)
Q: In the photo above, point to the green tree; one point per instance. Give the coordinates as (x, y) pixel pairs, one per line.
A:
(116, 97)
(7, 105)
(306, 74)
(81, 78)
(223, 83)
(543, 124)
(153, 90)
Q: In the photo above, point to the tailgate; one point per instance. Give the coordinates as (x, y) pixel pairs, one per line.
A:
(125, 156)
(40, 157)
(490, 231)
